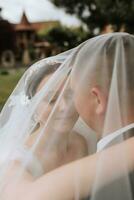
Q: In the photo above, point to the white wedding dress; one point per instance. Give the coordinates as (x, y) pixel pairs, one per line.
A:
(27, 159)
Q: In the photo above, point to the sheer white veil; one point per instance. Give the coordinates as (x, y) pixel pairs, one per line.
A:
(94, 81)
(104, 67)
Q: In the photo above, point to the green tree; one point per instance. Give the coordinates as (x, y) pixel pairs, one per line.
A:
(119, 13)
(64, 37)
(96, 14)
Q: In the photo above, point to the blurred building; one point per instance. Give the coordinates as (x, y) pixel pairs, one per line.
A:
(7, 41)
(20, 42)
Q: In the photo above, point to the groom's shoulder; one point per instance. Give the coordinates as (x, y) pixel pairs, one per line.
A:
(117, 189)
(123, 136)
(128, 134)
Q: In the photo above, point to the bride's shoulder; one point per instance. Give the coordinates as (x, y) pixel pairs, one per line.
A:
(78, 143)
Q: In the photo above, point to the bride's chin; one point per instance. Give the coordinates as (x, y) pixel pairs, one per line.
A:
(63, 128)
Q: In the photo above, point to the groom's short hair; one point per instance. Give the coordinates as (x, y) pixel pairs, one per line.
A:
(100, 65)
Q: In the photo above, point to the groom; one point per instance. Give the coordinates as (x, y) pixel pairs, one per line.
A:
(104, 99)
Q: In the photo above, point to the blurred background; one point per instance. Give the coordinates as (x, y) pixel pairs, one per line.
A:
(31, 30)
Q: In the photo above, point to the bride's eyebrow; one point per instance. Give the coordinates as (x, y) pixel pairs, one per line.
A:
(54, 95)
(50, 94)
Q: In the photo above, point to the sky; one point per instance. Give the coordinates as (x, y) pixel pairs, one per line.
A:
(36, 10)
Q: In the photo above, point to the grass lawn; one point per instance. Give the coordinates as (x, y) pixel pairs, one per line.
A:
(8, 82)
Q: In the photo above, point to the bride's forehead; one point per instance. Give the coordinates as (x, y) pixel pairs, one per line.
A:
(43, 81)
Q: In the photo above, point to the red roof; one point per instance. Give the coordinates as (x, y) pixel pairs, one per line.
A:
(24, 25)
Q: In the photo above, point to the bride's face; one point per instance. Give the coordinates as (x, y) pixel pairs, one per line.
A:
(44, 108)
(64, 115)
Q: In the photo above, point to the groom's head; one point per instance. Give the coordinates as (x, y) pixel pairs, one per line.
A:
(102, 79)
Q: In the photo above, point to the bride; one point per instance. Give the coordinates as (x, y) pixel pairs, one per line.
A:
(99, 77)
(75, 146)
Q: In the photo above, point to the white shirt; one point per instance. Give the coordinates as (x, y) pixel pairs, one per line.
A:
(107, 139)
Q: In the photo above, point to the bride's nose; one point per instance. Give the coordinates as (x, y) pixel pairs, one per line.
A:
(62, 105)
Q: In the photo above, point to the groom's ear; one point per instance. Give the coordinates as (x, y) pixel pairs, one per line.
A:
(100, 100)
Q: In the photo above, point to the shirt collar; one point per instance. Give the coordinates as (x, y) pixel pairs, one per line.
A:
(107, 139)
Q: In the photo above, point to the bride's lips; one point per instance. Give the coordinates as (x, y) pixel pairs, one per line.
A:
(63, 118)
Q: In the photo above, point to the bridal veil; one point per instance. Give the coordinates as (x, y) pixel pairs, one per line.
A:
(94, 81)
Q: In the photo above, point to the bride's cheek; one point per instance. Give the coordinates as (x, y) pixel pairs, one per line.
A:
(45, 111)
